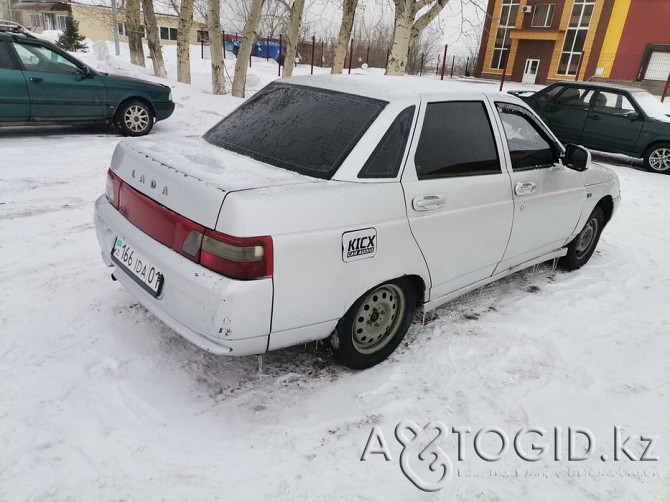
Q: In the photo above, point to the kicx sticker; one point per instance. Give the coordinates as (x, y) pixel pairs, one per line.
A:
(359, 244)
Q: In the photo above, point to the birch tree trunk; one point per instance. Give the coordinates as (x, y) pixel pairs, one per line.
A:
(248, 39)
(295, 20)
(133, 29)
(153, 40)
(407, 29)
(183, 38)
(348, 11)
(215, 46)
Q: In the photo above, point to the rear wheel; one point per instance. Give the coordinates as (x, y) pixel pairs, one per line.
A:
(374, 326)
(582, 247)
(135, 118)
(657, 158)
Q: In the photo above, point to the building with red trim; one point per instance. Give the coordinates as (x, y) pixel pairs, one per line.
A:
(543, 41)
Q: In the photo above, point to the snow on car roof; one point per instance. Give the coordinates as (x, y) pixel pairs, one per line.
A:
(387, 88)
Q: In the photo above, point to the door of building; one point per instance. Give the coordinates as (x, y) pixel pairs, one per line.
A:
(530, 71)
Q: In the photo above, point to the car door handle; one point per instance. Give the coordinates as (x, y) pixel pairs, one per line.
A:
(525, 188)
(36, 80)
(594, 117)
(428, 202)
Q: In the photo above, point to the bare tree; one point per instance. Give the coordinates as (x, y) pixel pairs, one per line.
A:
(348, 11)
(134, 32)
(408, 28)
(295, 20)
(215, 48)
(155, 50)
(248, 38)
(183, 41)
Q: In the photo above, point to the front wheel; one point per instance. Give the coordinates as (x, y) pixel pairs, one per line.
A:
(657, 158)
(135, 118)
(582, 247)
(374, 326)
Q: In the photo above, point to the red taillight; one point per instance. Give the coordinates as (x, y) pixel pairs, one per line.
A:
(237, 257)
(112, 187)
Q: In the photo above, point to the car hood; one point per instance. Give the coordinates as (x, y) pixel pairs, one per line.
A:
(135, 83)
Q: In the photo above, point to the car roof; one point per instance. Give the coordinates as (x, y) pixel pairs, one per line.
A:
(389, 88)
(601, 85)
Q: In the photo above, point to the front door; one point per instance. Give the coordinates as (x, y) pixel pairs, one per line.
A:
(57, 86)
(458, 199)
(548, 197)
(14, 101)
(530, 71)
(613, 124)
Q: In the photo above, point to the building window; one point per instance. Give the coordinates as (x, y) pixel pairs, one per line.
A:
(123, 30)
(508, 13)
(168, 33)
(60, 22)
(36, 21)
(543, 15)
(575, 37)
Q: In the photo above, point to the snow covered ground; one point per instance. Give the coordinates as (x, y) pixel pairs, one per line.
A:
(100, 401)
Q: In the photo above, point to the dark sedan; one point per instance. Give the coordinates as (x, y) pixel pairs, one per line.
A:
(608, 118)
(42, 84)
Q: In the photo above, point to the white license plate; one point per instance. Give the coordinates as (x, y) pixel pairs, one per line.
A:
(137, 266)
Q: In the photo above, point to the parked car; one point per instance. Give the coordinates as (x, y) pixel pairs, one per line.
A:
(326, 207)
(41, 84)
(607, 117)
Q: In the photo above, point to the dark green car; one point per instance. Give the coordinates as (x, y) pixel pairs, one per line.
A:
(42, 84)
(608, 118)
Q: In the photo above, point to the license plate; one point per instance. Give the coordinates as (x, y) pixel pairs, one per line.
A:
(138, 267)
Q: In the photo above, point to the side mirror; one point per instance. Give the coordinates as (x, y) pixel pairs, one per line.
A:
(576, 157)
(85, 71)
(632, 116)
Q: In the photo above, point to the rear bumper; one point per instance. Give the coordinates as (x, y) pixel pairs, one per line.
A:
(218, 314)
(163, 110)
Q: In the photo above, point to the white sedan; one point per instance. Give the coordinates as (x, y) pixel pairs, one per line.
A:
(330, 207)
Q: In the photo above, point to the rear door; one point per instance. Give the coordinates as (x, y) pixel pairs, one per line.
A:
(613, 124)
(548, 197)
(14, 101)
(57, 86)
(566, 114)
(457, 196)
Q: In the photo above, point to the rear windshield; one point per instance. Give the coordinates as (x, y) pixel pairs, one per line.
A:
(303, 129)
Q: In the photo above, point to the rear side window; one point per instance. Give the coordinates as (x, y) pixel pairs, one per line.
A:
(303, 129)
(6, 62)
(529, 148)
(456, 140)
(385, 160)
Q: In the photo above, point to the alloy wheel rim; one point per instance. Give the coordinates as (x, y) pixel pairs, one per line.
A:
(659, 160)
(586, 237)
(378, 319)
(136, 118)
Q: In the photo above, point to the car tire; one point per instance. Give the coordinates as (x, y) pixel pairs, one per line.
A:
(582, 247)
(375, 324)
(657, 158)
(134, 118)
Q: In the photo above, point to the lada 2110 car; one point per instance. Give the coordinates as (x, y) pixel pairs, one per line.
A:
(334, 207)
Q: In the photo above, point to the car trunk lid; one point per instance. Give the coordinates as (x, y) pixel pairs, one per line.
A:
(191, 177)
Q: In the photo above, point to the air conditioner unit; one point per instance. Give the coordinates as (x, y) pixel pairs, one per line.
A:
(527, 9)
